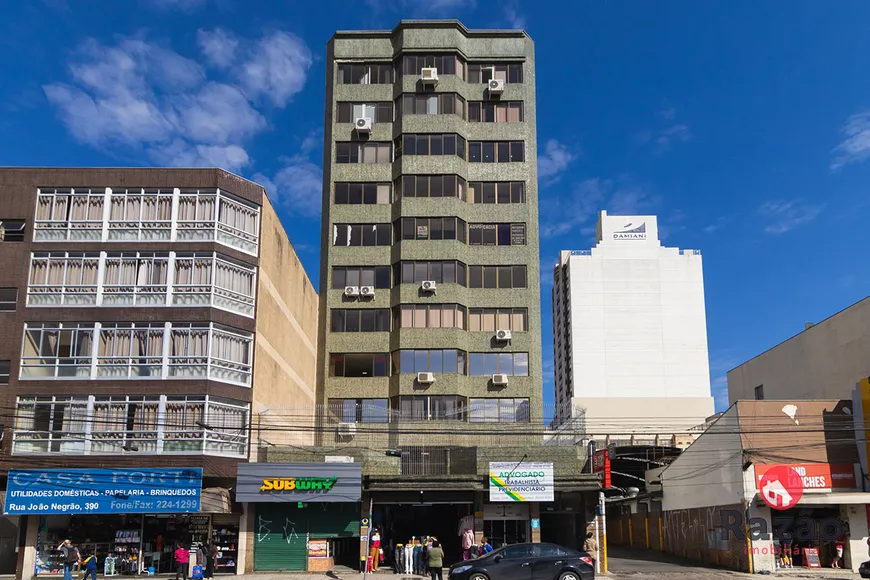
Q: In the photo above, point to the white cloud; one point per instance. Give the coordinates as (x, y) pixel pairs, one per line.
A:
(783, 216)
(856, 145)
(664, 137)
(514, 18)
(218, 47)
(668, 114)
(577, 212)
(720, 223)
(298, 185)
(139, 97)
(554, 161)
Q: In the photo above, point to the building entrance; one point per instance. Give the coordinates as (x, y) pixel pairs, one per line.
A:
(401, 523)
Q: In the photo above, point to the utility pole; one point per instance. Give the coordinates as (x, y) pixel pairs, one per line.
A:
(603, 547)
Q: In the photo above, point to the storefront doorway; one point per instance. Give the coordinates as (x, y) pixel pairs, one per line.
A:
(506, 523)
(399, 523)
(826, 523)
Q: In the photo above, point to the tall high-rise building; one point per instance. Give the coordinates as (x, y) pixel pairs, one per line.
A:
(630, 333)
(429, 266)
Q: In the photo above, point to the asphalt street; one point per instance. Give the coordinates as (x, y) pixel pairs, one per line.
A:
(639, 564)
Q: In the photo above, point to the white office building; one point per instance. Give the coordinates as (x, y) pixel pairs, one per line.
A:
(630, 333)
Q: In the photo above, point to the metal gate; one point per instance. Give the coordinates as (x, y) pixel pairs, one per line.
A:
(281, 541)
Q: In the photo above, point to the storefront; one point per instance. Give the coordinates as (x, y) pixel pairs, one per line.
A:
(307, 515)
(516, 491)
(131, 519)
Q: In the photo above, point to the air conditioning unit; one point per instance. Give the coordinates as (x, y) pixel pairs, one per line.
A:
(428, 286)
(367, 291)
(425, 378)
(363, 125)
(496, 86)
(347, 429)
(503, 335)
(351, 290)
(429, 76)
(499, 380)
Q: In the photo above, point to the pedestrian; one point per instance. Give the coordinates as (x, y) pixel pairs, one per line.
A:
(90, 566)
(71, 557)
(182, 559)
(435, 557)
(485, 547)
(467, 542)
(375, 549)
(590, 545)
(838, 555)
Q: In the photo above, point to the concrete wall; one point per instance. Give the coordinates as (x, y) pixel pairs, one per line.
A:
(709, 472)
(638, 330)
(285, 371)
(825, 361)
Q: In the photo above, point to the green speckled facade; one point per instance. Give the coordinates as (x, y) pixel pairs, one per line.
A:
(427, 38)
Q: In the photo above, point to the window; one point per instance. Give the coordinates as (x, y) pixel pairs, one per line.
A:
(359, 365)
(430, 316)
(497, 234)
(494, 410)
(360, 320)
(495, 112)
(497, 192)
(483, 73)
(447, 64)
(448, 228)
(759, 393)
(496, 276)
(482, 364)
(493, 319)
(359, 410)
(440, 104)
(11, 230)
(430, 408)
(5, 369)
(377, 112)
(369, 152)
(54, 349)
(430, 144)
(431, 186)
(377, 276)
(8, 299)
(409, 362)
(66, 213)
(365, 74)
(361, 235)
(136, 214)
(362, 193)
(442, 272)
(496, 151)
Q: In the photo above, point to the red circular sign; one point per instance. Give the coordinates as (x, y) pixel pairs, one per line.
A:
(781, 487)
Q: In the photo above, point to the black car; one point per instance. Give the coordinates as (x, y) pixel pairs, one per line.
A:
(527, 562)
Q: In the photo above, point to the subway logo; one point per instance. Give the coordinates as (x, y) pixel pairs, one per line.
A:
(298, 484)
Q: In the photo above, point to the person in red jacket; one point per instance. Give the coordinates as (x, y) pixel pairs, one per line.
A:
(375, 550)
(182, 558)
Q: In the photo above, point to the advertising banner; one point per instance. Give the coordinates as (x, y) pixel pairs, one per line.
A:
(601, 465)
(305, 482)
(103, 491)
(521, 482)
(816, 475)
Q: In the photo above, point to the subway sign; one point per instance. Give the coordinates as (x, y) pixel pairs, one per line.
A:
(298, 483)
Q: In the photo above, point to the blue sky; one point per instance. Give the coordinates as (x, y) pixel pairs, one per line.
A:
(743, 125)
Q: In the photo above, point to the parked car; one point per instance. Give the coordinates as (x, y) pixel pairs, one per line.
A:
(527, 562)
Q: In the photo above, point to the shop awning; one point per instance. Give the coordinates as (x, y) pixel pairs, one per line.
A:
(834, 498)
(216, 500)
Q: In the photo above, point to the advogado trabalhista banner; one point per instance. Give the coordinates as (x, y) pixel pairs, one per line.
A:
(526, 481)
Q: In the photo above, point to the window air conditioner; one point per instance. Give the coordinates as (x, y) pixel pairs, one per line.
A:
(367, 291)
(351, 290)
(499, 380)
(496, 87)
(429, 76)
(425, 378)
(503, 335)
(428, 286)
(347, 429)
(363, 125)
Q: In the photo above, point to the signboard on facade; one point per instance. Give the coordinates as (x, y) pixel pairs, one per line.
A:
(299, 482)
(821, 476)
(523, 481)
(103, 491)
(601, 465)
